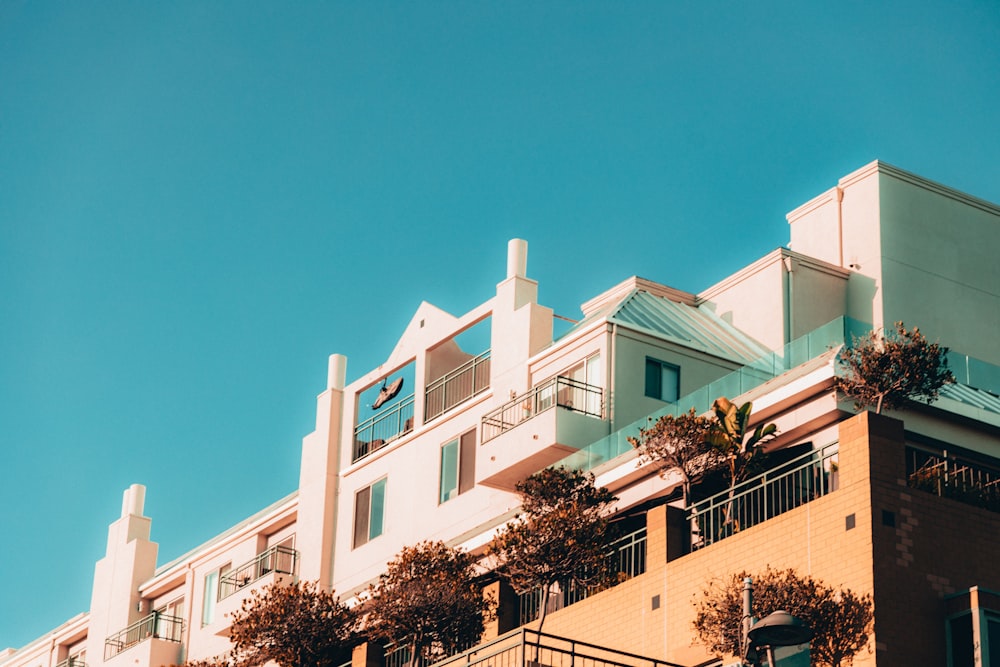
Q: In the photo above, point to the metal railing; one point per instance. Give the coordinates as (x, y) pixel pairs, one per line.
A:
(155, 626)
(72, 661)
(626, 559)
(559, 391)
(376, 432)
(278, 558)
(959, 478)
(461, 384)
(524, 647)
(783, 488)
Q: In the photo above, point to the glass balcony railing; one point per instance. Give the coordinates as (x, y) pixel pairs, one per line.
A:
(737, 382)
(461, 384)
(155, 626)
(558, 391)
(278, 559)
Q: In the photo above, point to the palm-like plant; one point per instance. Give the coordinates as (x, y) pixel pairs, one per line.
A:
(732, 438)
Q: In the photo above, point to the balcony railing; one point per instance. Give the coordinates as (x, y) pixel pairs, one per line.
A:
(959, 478)
(559, 391)
(155, 626)
(626, 559)
(804, 478)
(461, 384)
(523, 647)
(278, 559)
(375, 433)
(72, 661)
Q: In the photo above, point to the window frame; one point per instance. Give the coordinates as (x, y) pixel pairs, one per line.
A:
(657, 379)
(364, 526)
(464, 466)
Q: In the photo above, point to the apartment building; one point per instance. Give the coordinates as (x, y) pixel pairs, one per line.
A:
(430, 444)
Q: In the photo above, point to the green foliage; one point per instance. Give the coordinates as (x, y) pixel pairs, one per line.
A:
(560, 535)
(679, 443)
(297, 625)
(885, 370)
(428, 600)
(730, 438)
(840, 619)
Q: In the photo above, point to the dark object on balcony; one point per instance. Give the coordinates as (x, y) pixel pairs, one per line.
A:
(387, 393)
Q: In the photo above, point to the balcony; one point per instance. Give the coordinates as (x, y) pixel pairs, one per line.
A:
(538, 428)
(468, 380)
(72, 661)
(626, 559)
(276, 560)
(807, 477)
(153, 640)
(375, 433)
(969, 479)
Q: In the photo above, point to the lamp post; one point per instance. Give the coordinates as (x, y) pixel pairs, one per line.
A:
(778, 628)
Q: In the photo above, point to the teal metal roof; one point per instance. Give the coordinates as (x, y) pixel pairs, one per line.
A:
(978, 398)
(690, 326)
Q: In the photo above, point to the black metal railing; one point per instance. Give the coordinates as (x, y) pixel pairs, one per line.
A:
(524, 647)
(468, 380)
(559, 391)
(155, 626)
(278, 558)
(626, 559)
(783, 488)
(376, 432)
(953, 476)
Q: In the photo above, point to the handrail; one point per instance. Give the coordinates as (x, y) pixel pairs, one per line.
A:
(280, 559)
(456, 386)
(776, 491)
(511, 649)
(626, 559)
(72, 661)
(155, 626)
(559, 391)
(960, 478)
(376, 432)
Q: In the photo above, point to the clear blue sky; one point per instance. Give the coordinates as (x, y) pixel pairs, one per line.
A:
(200, 201)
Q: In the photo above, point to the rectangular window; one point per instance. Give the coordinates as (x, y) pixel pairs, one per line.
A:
(211, 597)
(458, 466)
(662, 380)
(369, 511)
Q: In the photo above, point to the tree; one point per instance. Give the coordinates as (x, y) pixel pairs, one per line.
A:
(885, 370)
(297, 625)
(559, 536)
(428, 601)
(840, 619)
(679, 443)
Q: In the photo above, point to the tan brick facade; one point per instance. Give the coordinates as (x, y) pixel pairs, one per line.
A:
(937, 546)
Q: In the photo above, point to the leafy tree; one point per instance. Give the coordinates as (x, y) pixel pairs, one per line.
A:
(559, 536)
(886, 370)
(428, 601)
(297, 625)
(679, 443)
(840, 619)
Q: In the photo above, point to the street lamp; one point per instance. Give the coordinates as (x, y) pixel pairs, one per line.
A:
(776, 629)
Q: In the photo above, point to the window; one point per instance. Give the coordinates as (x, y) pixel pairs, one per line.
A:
(458, 466)
(662, 380)
(369, 511)
(212, 594)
